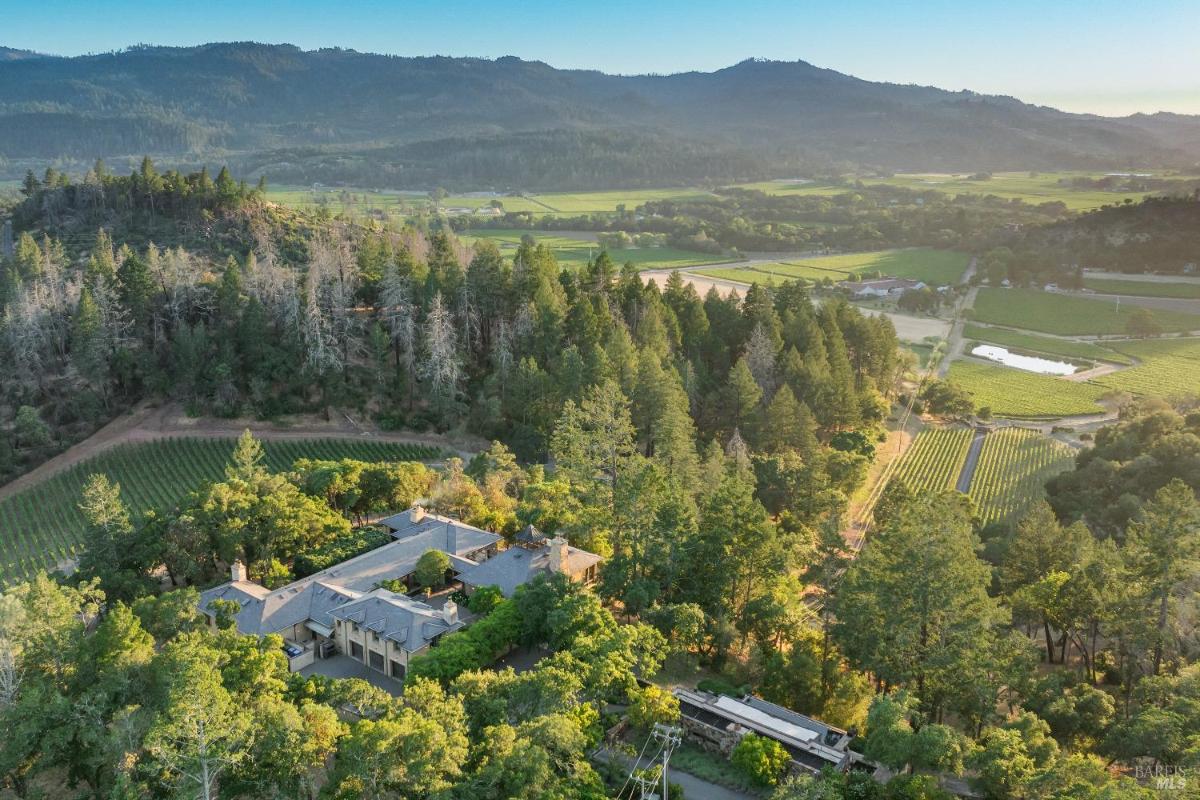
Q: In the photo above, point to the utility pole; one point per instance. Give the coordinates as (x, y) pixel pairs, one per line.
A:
(671, 737)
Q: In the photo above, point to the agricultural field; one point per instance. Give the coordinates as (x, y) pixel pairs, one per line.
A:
(1012, 392)
(935, 459)
(352, 200)
(1047, 345)
(1033, 188)
(1066, 315)
(1182, 290)
(926, 264)
(575, 252)
(919, 263)
(41, 526)
(1013, 468)
(1167, 368)
(606, 202)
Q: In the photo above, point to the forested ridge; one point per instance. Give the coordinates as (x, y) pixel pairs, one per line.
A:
(706, 447)
(338, 115)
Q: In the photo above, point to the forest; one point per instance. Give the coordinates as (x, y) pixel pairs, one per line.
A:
(707, 447)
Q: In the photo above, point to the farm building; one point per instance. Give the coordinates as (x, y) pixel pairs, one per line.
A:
(346, 609)
(883, 287)
(718, 722)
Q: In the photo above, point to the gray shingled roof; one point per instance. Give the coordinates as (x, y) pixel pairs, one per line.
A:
(518, 565)
(312, 598)
(410, 623)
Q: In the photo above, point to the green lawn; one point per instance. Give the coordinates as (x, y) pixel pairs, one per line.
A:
(747, 275)
(1047, 345)
(1187, 291)
(41, 526)
(1066, 315)
(1168, 368)
(575, 252)
(1016, 393)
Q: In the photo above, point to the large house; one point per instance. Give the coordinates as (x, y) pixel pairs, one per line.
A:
(534, 554)
(349, 608)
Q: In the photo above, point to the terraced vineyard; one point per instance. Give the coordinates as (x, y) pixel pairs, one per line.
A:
(40, 527)
(1016, 393)
(1012, 471)
(935, 459)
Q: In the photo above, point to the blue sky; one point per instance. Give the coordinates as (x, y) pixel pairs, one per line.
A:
(1103, 56)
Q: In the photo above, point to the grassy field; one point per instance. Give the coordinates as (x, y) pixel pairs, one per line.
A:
(1013, 468)
(1065, 315)
(1031, 187)
(1015, 393)
(1168, 368)
(1047, 345)
(1187, 291)
(935, 459)
(41, 526)
(575, 252)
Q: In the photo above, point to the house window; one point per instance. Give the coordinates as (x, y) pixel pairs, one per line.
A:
(356, 650)
(397, 670)
(376, 661)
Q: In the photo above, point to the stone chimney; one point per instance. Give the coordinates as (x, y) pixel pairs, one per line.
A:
(450, 612)
(416, 514)
(558, 554)
(237, 571)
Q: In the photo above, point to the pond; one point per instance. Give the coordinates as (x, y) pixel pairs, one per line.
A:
(1042, 366)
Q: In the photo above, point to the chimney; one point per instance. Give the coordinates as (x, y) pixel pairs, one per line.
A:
(237, 571)
(450, 612)
(558, 554)
(416, 514)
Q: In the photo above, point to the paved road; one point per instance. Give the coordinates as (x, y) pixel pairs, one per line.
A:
(954, 343)
(968, 470)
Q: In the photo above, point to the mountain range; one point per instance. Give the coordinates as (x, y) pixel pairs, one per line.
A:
(343, 116)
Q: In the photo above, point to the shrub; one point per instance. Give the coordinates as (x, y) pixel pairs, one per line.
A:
(762, 759)
(356, 542)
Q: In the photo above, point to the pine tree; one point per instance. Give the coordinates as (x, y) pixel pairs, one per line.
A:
(441, 367)
(742, 397)
(789, 425)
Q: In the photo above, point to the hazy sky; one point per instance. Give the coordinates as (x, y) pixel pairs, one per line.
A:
(1102, 56)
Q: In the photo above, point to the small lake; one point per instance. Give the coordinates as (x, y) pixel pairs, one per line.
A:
(1042, 366)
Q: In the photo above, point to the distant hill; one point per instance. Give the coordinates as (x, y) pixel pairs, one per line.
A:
(339, 115)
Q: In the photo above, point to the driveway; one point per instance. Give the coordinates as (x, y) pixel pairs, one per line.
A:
(342, 666)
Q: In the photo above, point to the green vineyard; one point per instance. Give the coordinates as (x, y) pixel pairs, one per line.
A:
(1012, 471)
(41, 526)
(935, 459)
